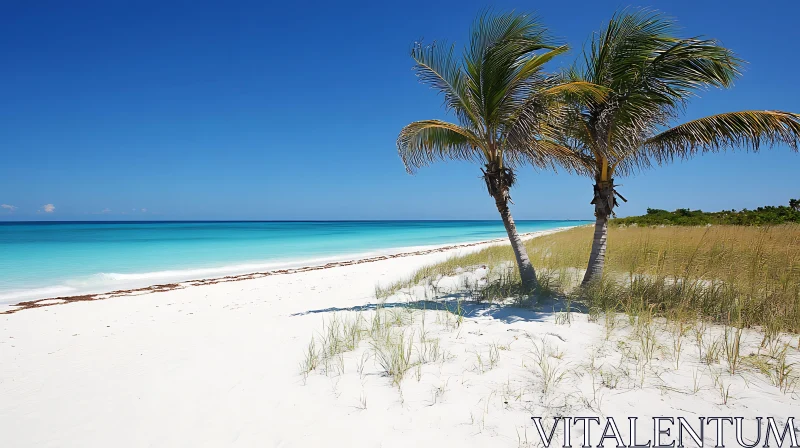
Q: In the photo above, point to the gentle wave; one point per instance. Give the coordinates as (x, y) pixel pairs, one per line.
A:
(71, 259)
(110, 281)
(36, 293)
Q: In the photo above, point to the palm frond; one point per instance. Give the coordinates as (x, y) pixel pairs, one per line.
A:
(578, 91)
(650, 74)
(546, 153)
(528, 114)
(489, 31)
(535, 63)
(499, 50)
(424, 142)
(748, 129)
(694, 63)
(624, 45)
(505, 101)
(437, 66)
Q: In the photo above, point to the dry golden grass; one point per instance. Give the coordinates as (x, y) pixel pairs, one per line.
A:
(739, 275)
(747, 256)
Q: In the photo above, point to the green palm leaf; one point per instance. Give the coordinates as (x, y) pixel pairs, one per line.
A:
(747, 129)
(437, 67)
(498, 62)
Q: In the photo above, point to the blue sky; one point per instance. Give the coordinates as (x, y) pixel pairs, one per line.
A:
(290, 110)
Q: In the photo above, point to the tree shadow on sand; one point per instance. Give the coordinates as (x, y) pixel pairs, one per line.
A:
(541, 310)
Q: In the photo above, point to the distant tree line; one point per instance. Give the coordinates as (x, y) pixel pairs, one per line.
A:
(684, 217)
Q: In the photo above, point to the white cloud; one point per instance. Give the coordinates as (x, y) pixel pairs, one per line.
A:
(106, 210)
(10, 208)
(144, 210)
(49, 208)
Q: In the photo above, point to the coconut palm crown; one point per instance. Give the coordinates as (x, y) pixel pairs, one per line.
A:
(650, 75)
(501, 97)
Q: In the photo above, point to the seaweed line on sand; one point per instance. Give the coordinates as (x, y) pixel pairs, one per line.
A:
(39, 303)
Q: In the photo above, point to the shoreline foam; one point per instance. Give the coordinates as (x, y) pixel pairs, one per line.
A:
(420, 250)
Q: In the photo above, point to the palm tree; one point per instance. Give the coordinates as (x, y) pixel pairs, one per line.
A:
(501, 98)
(650, 75)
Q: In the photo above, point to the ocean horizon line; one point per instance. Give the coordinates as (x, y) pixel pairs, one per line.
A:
(167, 221)
(59, 258)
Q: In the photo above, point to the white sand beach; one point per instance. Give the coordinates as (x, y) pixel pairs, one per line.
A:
(219, 365)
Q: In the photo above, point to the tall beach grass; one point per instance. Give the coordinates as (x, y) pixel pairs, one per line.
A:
(742, 276)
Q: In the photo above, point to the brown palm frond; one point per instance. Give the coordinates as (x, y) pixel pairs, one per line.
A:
(424, 142)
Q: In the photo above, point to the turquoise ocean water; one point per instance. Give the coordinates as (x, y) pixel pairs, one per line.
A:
(40, 260)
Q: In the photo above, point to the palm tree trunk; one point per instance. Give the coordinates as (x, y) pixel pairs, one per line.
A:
(597, 258)
(526, 271)
(604, 203)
